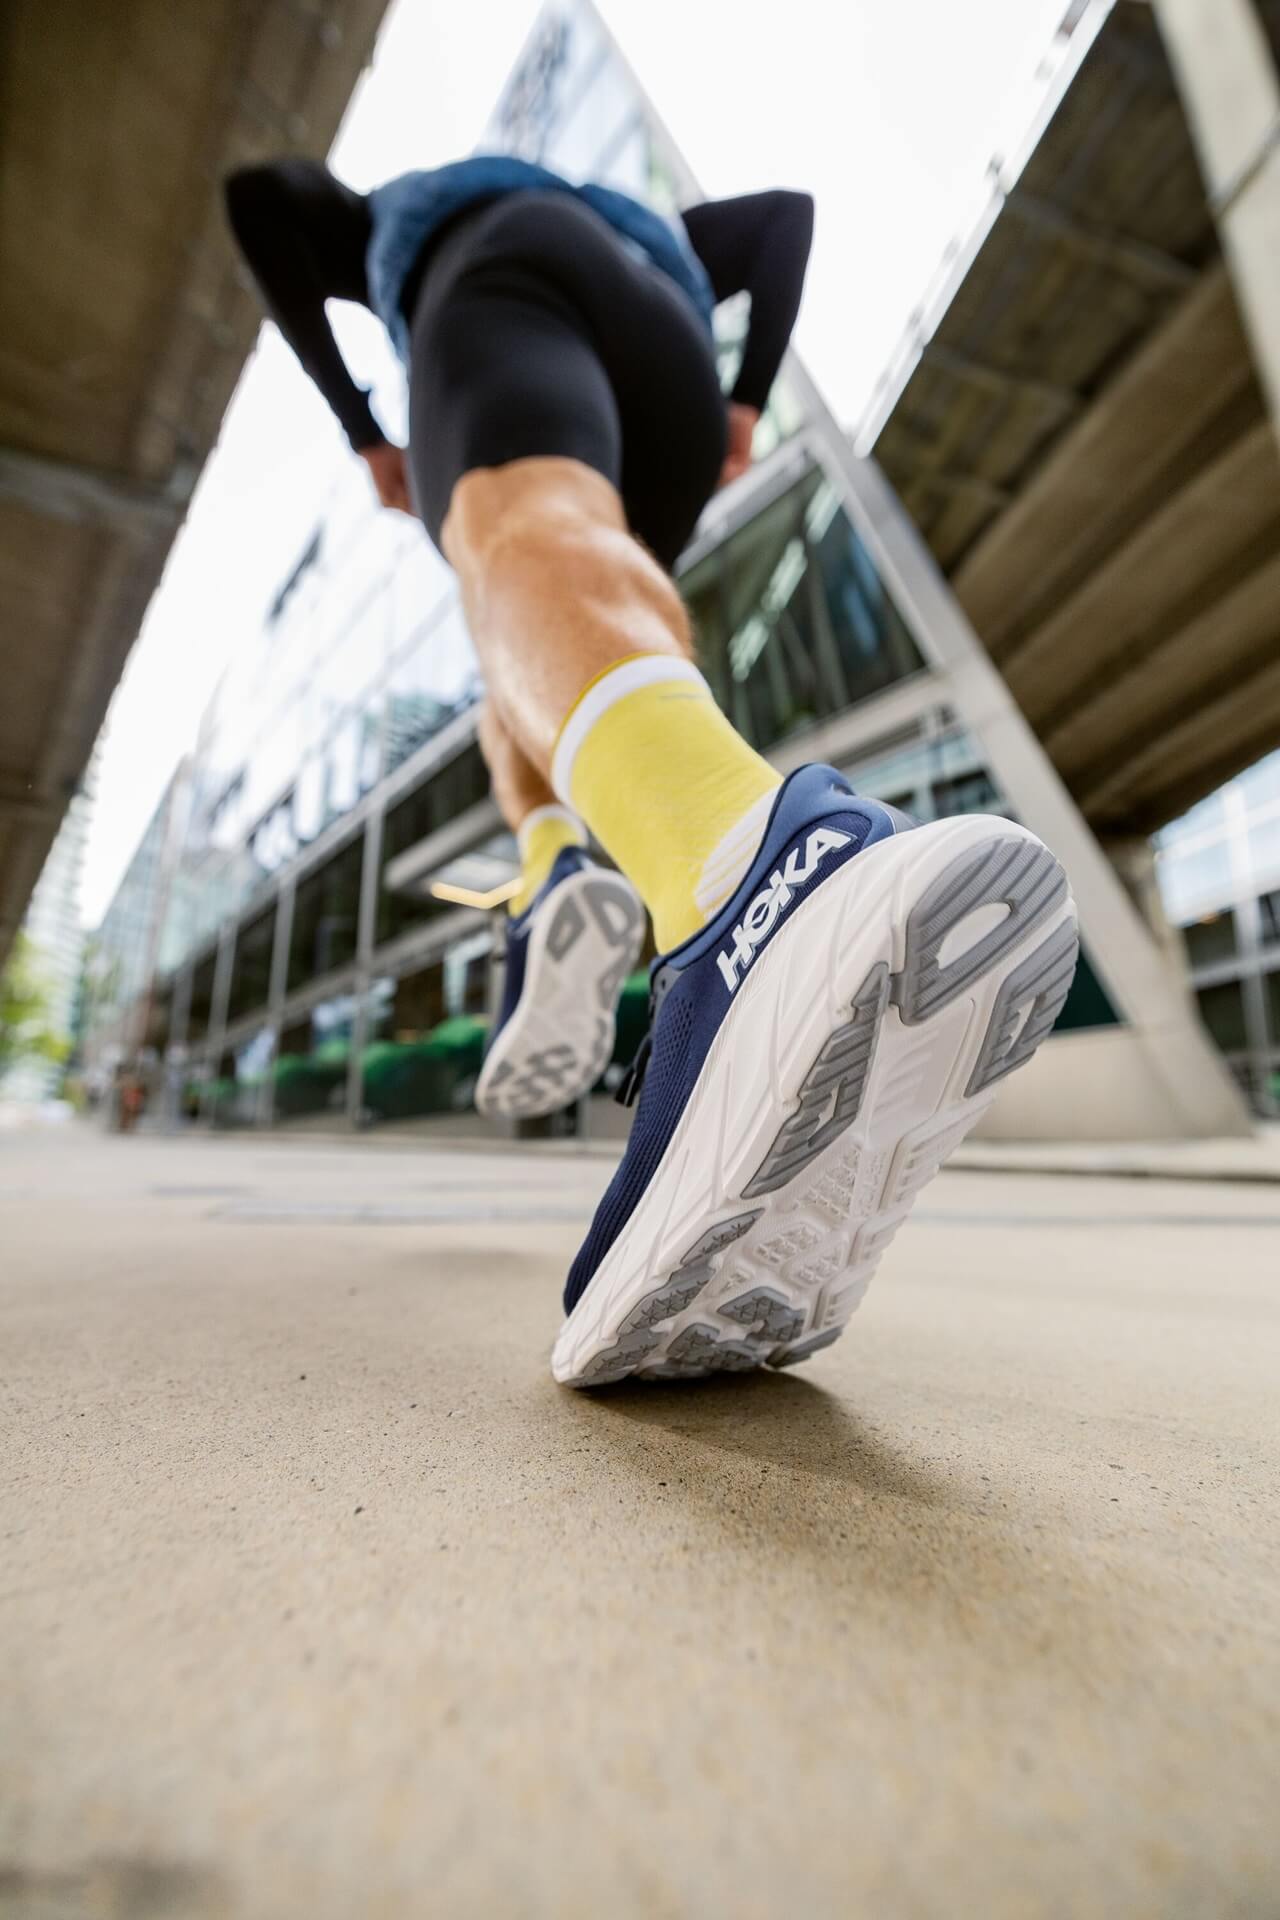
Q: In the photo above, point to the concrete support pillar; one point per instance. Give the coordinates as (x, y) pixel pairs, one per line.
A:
(1222, 61)
(366, 938)
(218, 1014)
(1247, 910)
(175, 1058)
(1134, 861)
(1196, 1090)
(277, 988)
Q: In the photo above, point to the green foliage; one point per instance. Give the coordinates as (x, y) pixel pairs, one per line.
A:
(25, 1032)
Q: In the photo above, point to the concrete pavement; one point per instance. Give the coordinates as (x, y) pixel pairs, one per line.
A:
(318, 1598)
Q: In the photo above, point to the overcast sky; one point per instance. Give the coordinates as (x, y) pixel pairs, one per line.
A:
(887, 110)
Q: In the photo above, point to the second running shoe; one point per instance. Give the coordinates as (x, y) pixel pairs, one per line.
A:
(568, 954)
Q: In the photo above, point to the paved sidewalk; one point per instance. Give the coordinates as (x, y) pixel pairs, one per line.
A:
(1254, 1160)
(318, 1598)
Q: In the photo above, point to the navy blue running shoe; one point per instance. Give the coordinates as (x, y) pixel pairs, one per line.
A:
(568, 954)
(815, 1053)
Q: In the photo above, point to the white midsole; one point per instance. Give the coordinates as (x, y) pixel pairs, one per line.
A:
(795, 995)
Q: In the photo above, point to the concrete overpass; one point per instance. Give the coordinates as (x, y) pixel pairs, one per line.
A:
(1079, 424)
(124, 328)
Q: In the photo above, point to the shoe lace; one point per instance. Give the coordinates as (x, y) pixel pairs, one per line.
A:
(633, 1079)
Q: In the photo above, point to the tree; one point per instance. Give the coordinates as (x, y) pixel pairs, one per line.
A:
(25, 1032)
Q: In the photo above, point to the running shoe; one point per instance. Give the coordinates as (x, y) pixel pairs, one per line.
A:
(815, 1054)
(568, 954)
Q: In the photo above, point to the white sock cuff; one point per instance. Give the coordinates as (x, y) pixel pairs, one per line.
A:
(648, 670)
(551, 811)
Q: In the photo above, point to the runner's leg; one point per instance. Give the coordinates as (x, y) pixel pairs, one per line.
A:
(565, 410)
(542, 827)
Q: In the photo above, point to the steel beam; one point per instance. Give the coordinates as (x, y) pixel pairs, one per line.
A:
(91, 496)
(980, 373)
(18, 801)
(1133, 258)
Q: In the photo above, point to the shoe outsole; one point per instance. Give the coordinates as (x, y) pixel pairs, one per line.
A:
(558, 1041)
(867, 1040)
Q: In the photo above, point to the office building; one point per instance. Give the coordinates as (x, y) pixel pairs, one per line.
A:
(341, 853)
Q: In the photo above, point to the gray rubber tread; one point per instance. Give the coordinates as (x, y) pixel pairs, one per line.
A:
(770, 1315)
(844, 1060)
(722, 1235)
(700, 1349)
(792, 1356)
(665, 1302)
(1017, 873)
(618, 1361)
(566, 929)
(1044, 979)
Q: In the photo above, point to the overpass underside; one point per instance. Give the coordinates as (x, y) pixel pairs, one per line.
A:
(124, 325)
(1085, 445)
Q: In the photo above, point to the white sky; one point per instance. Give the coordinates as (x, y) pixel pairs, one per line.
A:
(887, 110)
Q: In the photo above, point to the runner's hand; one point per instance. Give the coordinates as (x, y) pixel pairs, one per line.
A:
(742, 426)
(390, 477)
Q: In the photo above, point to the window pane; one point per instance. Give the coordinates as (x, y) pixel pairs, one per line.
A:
(1269, 916)
(427, 1032)
(1271, 984)
(1264, 848)
(344, 768)
(1212, 938)
(447, 793)
(311, 1072)
(251, 966)
(435, 678)
(236, 1097)
(1190, 881)
(1222, 1010)
(325, 912)
(793, 621)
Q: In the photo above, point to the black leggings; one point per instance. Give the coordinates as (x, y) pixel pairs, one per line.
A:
(535, 331)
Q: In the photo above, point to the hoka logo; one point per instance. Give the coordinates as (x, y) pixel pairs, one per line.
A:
(761, 916)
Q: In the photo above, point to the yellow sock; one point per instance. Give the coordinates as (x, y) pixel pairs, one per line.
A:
(677, 798)
(541, 835)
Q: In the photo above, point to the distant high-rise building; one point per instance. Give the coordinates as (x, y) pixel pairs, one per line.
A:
(1219, 872)
(144, 930)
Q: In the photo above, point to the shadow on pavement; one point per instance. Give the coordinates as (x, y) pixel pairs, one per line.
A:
(781, 1421)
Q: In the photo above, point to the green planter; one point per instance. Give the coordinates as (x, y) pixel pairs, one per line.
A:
(403, 1079)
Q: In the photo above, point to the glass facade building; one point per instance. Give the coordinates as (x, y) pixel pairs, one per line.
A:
(1219, 873)
(326, 943)
(146, 932)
